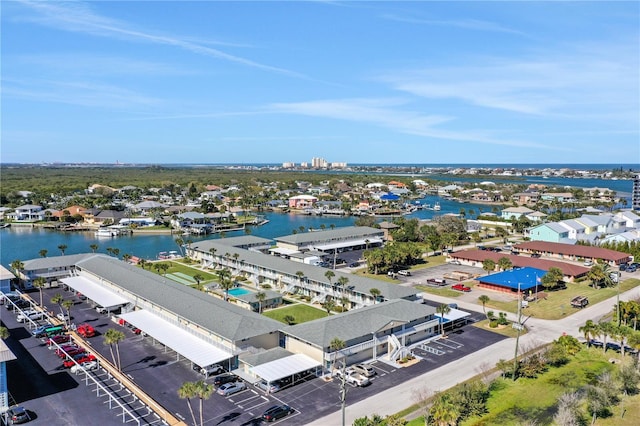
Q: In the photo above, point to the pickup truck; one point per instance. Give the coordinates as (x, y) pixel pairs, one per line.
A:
(436, 281)
(460, 287)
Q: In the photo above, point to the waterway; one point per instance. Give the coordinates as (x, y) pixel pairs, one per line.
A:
(23, 243)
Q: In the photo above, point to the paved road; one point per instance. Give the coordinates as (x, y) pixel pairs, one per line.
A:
(393, 400)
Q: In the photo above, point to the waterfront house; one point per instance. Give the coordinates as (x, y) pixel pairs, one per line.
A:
(27, 213)
(551, 231)
(515, 212)
(302, 201)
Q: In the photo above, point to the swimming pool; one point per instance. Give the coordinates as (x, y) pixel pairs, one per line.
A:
(238, 291)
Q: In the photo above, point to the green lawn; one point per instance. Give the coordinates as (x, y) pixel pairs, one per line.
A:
(558, 303)
(181, 267)
(508, 331)
(301, 313)
(444, 291)
(533, 401)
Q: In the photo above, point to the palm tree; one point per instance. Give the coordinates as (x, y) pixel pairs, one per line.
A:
(444, 412)
(93, 247)
(142, 263)
(299, 274)
(187, 391)
(329, 305)
(344, 301)
(342, 283)
(484, 299)
(43, 252)
(443, 310)
(212, 251)
(261, 296)
(589, 330)
(180, 243)
(375, 293)
(289, 319)
(4, 333)
(198, 278)
(17, 266)
(126, 257)
(39, 284)
(110, 251)
(202, 391)
(337, 345)
(226, 283)
(329, 275)
(165, 268)
(505, 263)
(62, 248)
(113, 337)
(488, 265)
(57, 299)
(116, 252)
(67, 304)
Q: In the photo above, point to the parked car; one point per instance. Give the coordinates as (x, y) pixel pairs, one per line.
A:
(63, 317)
(69, 351)
(18, 303)
(579, 301)
(588, 263)
(364, 369)
(404, 272)
(354, 265)
(631, 268)
(268, 387)
(78, 359)
(230, 388)
(535, 255)
(87, 366)
(59, 339)
(461, 287)
(31, 314)
(276, 412)
(86, 330)
(352, 377)
(623, 267)
(211, 370)
(17, 415)
(224, 378)
(40, 331)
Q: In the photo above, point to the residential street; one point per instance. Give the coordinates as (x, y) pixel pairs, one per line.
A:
(540, 331)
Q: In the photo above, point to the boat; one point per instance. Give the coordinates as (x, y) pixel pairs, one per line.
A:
(436, 206)
(5, 225)
(106, 232)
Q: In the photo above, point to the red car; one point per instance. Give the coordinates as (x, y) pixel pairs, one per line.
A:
(80, 358)
(59, 339)
(70, 352)
(461, 287)
(86, 330)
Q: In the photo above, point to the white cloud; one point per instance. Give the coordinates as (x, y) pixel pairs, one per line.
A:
(79, 17)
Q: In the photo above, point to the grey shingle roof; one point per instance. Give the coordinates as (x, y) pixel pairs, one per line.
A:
(361, 284)
(220, 317)
(263, 357)
(55, 261)
(244, 240)
(360, 322)
(334, 234)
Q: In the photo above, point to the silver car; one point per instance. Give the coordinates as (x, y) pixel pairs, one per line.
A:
(231, 388)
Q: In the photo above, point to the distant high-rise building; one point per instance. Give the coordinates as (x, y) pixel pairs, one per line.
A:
(635, 195)
(319, 163)
(339, 165)
(288, 165)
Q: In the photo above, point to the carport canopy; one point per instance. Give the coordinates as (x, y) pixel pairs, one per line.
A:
(342, 244)
(95, 291)
(285, 367)
(186, 344)
(453, 315)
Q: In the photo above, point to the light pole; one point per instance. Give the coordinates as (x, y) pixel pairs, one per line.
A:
(518, 328)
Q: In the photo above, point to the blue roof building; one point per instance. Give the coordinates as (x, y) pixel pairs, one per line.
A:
(528, 279)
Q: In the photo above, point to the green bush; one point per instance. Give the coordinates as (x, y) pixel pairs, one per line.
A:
(493, 323)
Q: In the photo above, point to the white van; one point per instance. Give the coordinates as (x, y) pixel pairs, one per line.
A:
(404, 272)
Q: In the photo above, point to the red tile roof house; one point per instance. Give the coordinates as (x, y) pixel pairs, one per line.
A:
(476, 257)
(573, 252)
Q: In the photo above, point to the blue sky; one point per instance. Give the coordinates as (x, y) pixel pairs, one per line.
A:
(359, 82)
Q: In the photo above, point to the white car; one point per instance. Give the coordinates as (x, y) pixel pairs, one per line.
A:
(231, 388)
(352, 377)
(63, 317)
(88, 366)
(31, 314)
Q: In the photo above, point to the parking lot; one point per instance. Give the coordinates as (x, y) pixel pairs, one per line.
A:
(58, 397)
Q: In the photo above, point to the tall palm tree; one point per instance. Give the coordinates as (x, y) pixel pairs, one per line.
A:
(17, 266)
(589, 330)
(126, 257)
(261, 296)
(4, 333)
(505, 263)
(337, 345)
(62, 248)
(142, 263)
(444, 412)
(488, 265)
(113, 337)
(43, 252)
(202, 391)
(198, 279)
(328, 305)
(57, 299)
(443, 310)
(93, 247)
(67, 304)
(187, 391)
(39, 283)
(329, 275)
(375, 293)
(226, 283)
(180, 243)
(484, 299)
(342, 283)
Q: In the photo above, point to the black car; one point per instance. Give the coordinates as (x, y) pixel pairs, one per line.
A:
(276, 412)
(224, 378)
(20, 303)
(17, 415)
(623, 267)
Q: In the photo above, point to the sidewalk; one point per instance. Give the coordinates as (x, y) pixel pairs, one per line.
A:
(540, 332)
